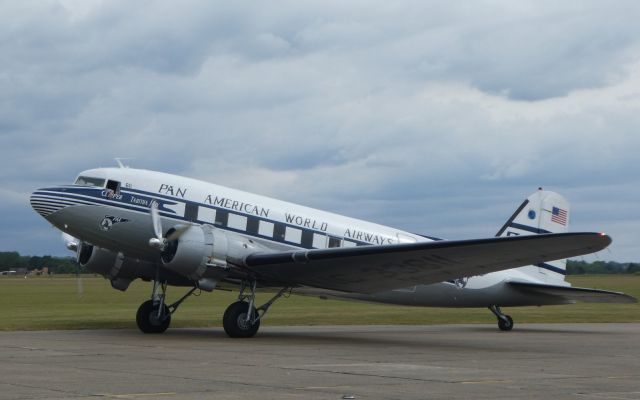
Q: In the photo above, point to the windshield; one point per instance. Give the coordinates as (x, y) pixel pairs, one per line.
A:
(88, 181)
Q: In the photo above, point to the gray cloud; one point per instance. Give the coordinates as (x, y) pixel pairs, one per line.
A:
(432, 117)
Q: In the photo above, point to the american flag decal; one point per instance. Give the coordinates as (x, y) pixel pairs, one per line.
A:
(559, 216)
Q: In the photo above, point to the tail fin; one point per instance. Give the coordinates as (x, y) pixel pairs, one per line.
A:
(542, 212)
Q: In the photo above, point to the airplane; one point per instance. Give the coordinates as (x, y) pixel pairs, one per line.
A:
(125, 223)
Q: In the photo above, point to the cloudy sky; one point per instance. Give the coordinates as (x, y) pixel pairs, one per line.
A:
(432, 116)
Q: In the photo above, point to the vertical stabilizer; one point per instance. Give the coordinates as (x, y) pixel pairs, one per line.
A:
(542, 212)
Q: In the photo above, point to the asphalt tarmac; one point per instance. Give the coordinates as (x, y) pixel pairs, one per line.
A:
(568, 361)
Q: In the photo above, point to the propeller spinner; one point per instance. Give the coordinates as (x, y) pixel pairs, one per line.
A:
(159, 241)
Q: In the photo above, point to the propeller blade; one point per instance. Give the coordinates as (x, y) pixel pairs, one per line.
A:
(70, 242)
(79, 286)
(79, 283)
(155, 219)
(178, 231)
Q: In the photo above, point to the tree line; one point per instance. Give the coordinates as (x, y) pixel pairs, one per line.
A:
(12, 260)
(601, 267)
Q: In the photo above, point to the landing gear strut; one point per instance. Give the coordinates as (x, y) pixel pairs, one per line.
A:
(242, 319)
(505, 322)
(154, 316)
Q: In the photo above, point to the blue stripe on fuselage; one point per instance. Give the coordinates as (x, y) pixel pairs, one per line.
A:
(96, 196)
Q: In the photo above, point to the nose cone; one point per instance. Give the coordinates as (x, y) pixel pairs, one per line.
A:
(44, 202)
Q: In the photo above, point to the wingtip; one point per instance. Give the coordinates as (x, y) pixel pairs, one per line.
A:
(602, 239)
(597, 240)
(606, 237)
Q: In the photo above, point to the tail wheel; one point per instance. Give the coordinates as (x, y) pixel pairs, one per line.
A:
(148, 320)
(505, 323)
(235, 321)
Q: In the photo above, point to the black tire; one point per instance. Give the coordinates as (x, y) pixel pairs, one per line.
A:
(234, 321)
(506, 323)
(147, 320)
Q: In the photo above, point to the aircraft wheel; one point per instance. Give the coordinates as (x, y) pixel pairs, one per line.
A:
(235, 322)
(147, 318)
(505, 323)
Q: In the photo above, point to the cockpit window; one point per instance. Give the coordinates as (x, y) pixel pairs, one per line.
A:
(88, 181)
(114, 186)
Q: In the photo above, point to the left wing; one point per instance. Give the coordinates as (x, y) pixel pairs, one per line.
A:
(370, 269)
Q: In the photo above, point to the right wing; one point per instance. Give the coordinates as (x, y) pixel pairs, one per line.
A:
(370, 269)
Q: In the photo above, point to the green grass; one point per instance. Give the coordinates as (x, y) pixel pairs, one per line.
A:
(39, 303)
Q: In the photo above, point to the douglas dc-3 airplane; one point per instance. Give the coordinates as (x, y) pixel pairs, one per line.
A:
(170, 230)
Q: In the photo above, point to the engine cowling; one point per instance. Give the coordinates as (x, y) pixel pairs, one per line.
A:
(118, 269)
(96, 259)
(202, 247)
(196, 248)
(185, 260)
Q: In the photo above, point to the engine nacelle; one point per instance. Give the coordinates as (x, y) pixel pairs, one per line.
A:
(118, 269)
(96, 259)
(196, 248)
(203, 247)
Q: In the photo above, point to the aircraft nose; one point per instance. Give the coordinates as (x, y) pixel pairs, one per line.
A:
(44, 202)
(38, 204)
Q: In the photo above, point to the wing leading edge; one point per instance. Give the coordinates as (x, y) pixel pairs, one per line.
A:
(370, 269)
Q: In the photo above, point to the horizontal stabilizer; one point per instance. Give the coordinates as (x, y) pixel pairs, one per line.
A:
(370, 269)
(574, 294)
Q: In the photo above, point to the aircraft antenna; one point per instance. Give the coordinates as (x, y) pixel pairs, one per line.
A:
(120, 163)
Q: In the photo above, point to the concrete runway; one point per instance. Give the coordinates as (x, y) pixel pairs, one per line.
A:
(576, 361)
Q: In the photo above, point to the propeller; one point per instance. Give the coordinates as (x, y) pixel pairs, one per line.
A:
(72, 244)
(159, 241)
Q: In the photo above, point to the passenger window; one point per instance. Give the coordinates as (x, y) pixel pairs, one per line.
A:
(292, 235)
(319, 241)
(265, 228)
(238, 222)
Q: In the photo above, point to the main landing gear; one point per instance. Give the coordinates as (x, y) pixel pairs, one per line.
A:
(242, 319)
(154, 316)
(505, 322)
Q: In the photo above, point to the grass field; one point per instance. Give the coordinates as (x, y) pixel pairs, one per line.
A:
(53, 303)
